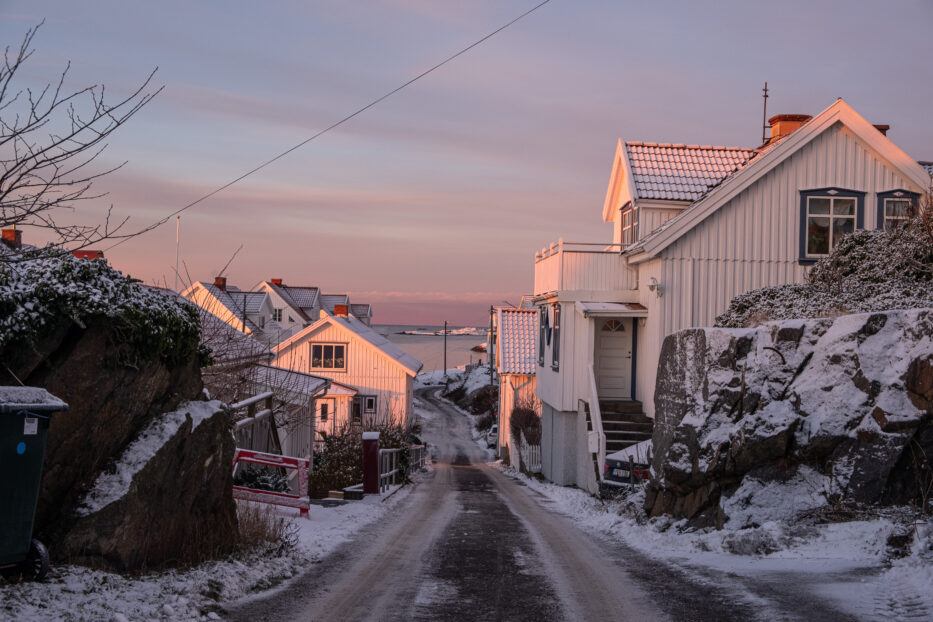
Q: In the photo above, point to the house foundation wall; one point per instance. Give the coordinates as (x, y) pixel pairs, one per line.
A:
(559, 445)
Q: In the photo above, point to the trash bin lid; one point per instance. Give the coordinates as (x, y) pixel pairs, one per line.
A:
(35, 399)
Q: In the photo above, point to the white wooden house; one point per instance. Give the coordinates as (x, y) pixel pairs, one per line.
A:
(250, 313)
(296, 306)
(371, 377)
(692, 227)
(516, 333)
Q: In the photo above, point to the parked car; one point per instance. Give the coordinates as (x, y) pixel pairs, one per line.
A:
(492, 436)
(619, 469)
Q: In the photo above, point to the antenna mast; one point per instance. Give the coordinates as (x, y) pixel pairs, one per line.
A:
(764, 115)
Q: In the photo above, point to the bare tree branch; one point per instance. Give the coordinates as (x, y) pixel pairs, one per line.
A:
(50, 142)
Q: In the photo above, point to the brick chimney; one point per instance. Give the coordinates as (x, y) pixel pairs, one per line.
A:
(784, 124)
(882, 128)
(13, 238)
(341, 310)
(220, 283)
(276, 281)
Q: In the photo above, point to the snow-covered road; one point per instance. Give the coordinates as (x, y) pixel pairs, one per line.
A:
(473, 543)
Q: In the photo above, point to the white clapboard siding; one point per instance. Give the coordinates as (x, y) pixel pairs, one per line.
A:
(368, 371)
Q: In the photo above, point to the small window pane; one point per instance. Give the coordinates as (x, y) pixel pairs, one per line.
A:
(338, 357)
(842, 226)
(328, 357)
(844, 207)
(819, 206)
(818, 236)
(897, 208)
(316, 356)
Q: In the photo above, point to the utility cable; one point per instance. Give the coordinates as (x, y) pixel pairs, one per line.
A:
(328, 128)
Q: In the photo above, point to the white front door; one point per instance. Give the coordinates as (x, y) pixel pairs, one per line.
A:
(614, 358)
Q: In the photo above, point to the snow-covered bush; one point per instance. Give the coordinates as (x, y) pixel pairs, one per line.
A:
(36, 293)
(867, 271)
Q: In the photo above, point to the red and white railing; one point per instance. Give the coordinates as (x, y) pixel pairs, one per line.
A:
(285, 499)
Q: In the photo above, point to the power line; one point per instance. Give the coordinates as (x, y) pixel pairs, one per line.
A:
(330, 127)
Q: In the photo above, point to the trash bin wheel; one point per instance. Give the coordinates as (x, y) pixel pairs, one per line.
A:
(36, 565)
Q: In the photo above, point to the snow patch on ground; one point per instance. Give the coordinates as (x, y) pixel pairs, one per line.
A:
(74, 593)
(845, 563)
(114, 485)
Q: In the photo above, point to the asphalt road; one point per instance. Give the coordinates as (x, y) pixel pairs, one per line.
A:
(470, 543)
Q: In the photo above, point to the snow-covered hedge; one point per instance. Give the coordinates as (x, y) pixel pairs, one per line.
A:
(867, 271)
(36, 293)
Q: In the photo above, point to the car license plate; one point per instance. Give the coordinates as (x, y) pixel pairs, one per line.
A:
(620, 472)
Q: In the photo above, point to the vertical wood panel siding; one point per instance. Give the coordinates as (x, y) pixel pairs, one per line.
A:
(369, 372)
(752, 241)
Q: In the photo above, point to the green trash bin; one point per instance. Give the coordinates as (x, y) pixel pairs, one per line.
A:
(24, 424)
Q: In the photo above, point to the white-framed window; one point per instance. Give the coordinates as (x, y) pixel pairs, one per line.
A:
(329, 356)
(629, 224)
(369, 404)
(897, 212)
(276, 315)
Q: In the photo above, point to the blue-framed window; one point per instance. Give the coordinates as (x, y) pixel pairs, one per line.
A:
(896, 207)
(827, 214)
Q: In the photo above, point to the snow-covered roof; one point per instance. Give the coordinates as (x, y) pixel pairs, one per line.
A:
(361, 310)
(339, 389)
(329, 300)
(224, 299)
(667, 171)
(36, 399)
(251, 301)
(357, 327)
(291, 384)
(518, 329)
(928, 166)
(229, 346)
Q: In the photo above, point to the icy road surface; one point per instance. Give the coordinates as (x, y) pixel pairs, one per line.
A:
(470, 543)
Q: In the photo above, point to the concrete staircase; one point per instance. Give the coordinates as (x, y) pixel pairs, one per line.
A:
(624, 424)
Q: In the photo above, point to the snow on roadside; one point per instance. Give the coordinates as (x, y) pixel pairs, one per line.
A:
(111, 486)
(75, 593)
(818, 556)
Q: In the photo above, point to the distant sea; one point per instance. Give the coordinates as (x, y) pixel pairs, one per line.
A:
(429, 349)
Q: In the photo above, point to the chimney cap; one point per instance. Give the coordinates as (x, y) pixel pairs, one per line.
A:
(793, 118)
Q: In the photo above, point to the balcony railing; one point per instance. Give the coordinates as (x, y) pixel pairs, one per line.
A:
(581, 266)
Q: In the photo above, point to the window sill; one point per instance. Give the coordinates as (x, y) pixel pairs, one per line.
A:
(808, 261)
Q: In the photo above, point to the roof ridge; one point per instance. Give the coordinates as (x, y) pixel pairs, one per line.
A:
(639, 143)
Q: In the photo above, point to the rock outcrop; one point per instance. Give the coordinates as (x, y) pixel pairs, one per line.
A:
(122, 356)
(789, 416)
(167, 498)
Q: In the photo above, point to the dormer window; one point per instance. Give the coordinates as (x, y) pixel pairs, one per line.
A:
(629, 224)
(826, 215)
(896, 208)
(276, 315)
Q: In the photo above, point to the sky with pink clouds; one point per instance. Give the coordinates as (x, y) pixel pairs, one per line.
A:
(431, 204)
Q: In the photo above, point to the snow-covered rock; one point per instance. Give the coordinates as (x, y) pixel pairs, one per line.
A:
(791, 415)
(166, 498)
